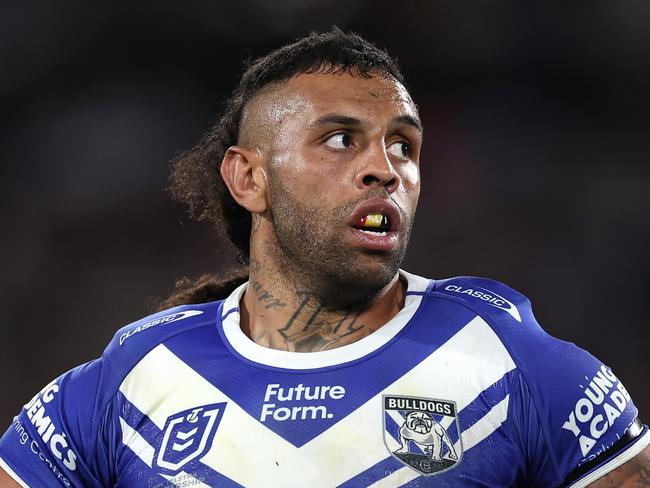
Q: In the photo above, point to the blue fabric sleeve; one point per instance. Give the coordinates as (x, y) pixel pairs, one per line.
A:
(68, 434)
(572, 410)
(570, 407)
(56, 439)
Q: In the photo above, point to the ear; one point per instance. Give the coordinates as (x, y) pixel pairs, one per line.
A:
(245, 177)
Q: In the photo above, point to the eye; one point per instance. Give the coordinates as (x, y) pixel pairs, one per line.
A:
(401, 149)
(341, 140)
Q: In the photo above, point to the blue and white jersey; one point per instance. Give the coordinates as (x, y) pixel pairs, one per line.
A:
(461, 388)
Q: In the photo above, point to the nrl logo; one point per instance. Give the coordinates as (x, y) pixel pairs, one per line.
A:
(422, 433)
(188, 435)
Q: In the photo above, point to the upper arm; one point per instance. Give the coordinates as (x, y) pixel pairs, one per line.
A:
(633, 474)
(56, 437)
(7, 481)
(573, 416)
(585, 415)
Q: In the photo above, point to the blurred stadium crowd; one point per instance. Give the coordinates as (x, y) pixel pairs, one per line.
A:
(535, 166)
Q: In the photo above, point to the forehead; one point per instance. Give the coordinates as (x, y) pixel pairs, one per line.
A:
(320, 93)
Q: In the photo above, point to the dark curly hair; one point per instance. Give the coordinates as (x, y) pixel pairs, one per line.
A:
(195, 178)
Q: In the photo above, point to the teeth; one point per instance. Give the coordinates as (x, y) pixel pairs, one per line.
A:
(373, 220)
(374, 232)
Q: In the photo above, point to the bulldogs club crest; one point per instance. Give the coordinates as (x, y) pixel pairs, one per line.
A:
(188, 435)
(423, 433)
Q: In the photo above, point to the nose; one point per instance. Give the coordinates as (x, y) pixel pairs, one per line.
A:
(376, 169)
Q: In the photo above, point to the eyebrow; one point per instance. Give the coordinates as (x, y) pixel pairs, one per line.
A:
(409, 120)
(339, 119)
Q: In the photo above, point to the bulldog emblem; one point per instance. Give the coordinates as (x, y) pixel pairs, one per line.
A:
(423, 433)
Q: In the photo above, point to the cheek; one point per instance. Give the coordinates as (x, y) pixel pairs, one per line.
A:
(411, 176)
(316, 174)
(306, 182)
(411, 183)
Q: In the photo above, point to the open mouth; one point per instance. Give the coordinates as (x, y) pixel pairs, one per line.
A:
(375, 224)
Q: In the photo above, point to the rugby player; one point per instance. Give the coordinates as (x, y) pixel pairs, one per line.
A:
(326, 365)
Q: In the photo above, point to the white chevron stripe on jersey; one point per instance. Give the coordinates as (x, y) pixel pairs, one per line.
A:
(134, 441)
(472, 360)
(151, 387)
(484, 427)
(469, 362)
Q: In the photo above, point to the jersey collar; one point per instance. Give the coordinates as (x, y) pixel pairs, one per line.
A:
(255, 353)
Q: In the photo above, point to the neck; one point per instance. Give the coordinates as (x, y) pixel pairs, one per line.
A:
(279, 313)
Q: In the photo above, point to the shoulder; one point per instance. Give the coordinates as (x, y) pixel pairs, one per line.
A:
(506, 311)
(575, 402)
(71, 420)
(135, 340)
(509, 314)
(130, 344)
(541, 357)
(498, 315)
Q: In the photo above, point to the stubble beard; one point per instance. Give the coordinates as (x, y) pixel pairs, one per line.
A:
(312, 254)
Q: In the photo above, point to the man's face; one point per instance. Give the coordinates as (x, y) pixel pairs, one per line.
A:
(343, 177)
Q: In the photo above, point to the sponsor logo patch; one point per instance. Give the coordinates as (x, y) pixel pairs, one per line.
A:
(167, 319)
(300, 402)
(188, 435)
(422, 433)
(604, 400)
(491, 298)
(41, 411)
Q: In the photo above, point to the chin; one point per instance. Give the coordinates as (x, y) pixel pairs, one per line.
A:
(328, 266)
(360, 280)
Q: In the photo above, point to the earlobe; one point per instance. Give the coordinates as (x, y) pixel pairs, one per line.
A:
(245, 179)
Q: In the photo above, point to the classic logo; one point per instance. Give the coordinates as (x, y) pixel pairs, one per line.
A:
(167, 319)
(489, 297)
(423, 433)
(188, 435)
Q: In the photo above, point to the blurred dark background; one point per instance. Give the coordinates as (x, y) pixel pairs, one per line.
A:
(534, 168)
